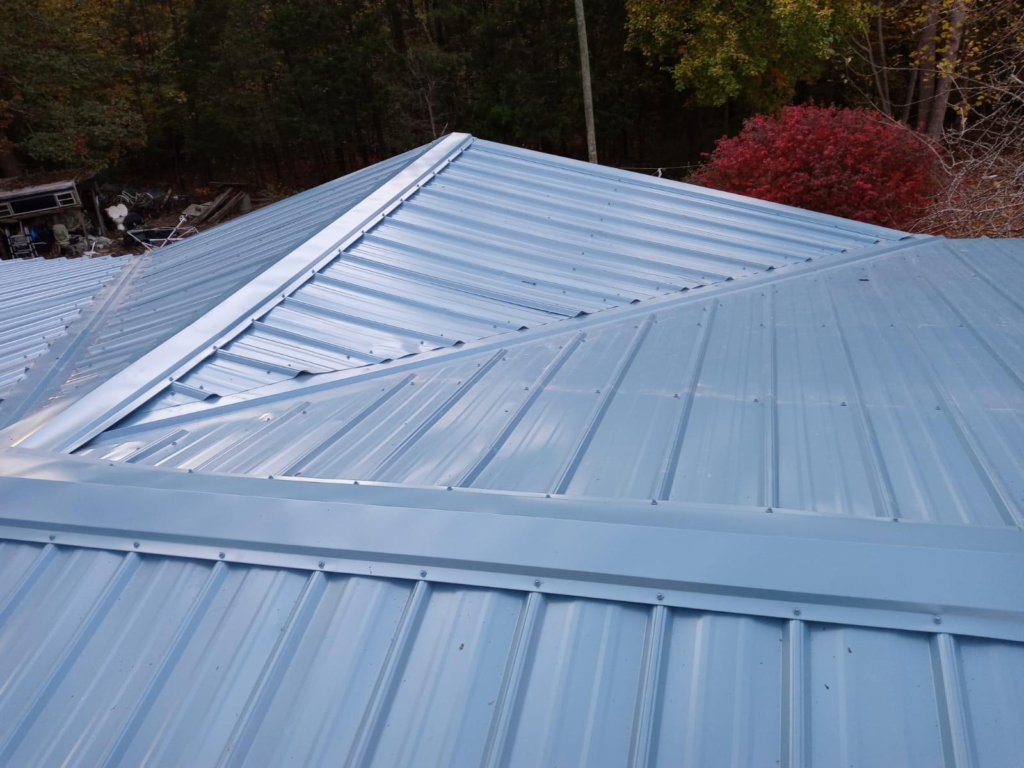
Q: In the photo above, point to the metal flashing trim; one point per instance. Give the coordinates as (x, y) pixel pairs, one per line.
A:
(319, 382)
(920, 576)
(141, 380)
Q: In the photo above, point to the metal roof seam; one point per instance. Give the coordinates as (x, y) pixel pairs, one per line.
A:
(795, 703)
(366, 735)
(250, 719)
(880, 483)
(509, 691)
(601, 407)
(954, 719)
(645, 711)
(771, 410)
(197, 611)
(687, 394)
(536, 389)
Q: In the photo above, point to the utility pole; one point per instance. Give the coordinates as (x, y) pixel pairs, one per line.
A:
(588, 100)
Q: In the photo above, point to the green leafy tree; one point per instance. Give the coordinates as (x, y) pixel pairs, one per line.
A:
(64, 96)
(754, 51)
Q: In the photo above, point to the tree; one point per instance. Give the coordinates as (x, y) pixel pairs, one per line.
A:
(749, 50)
(954, 69)
(847, 162)
(64, 99)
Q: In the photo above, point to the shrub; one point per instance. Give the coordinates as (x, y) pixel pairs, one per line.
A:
(846, 162)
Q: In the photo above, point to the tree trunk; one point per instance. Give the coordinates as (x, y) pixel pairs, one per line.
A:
(588, 102)
(957, 17)
(395, 21)
(926, 64)
(884, 73)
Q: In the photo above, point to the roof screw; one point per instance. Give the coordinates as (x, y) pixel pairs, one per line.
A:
(355, 482)
(136, 545)
(320, 564)
(220, 555)
(547, 495)
(190, 471)
(270, 477)
(938, 408)
(769, 510)
(52, 537)
(448, 488)
(796, 611)
(661, 596)
(423, 574)
(843, 403)
(936, 620)
(536, 582)
(654, 502)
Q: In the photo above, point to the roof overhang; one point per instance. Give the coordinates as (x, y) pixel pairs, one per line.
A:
(866, 572)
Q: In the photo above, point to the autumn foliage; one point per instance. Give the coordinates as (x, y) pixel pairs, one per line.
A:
(846, 162)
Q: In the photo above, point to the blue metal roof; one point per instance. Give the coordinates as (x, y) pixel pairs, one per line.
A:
(170, 288)
(882, 386)
(500, 239)
(653, 534)
(125, 659)
(40, 300)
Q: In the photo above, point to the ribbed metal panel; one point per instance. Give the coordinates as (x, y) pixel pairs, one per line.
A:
(129, 659)
(174, 286)
(40, 299)
(886, 387)
(503, 239)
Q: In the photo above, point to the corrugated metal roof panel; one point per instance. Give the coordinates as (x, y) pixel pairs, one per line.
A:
(39, 301)
(172, 287)
(120, 659)
(881, 387)
(500, 239)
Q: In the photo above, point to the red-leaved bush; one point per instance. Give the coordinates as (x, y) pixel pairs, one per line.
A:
(847, 162)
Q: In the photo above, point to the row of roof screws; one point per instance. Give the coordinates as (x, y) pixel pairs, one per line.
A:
(537, 583)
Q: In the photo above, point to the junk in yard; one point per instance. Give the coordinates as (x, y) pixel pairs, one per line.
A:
(117, 214)
(158, 237)
(47, 214)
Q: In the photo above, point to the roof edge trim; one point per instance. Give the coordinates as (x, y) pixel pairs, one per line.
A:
(146, 376)
(704, 565)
